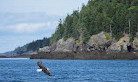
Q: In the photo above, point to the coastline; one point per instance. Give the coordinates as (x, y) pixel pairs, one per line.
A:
(17, 57)
(82, 56)
(87, 56)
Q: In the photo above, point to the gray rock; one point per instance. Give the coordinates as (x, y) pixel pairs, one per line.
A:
(53, 47)
(99, 39)
(44, 49)
(99, 42)
(29, 53)
(65, 46)
(114, 48)
(135, 42)
(121, 45)
(81, 48)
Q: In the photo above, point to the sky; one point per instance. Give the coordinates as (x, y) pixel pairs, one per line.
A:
(24, 21)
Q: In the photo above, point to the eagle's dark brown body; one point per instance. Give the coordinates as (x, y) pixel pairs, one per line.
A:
(44, 69)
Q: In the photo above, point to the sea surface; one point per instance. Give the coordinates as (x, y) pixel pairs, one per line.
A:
(24, 70)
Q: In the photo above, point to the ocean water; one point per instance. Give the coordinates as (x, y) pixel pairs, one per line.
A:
(24, 70)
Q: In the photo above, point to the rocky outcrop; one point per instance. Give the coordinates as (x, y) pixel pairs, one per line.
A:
(135, 42)
(99, 42)
(65, 46)
(44, 49)
(60, 46)
(121, 45)
(124, 42)
(99, 39)
(81, 48)
(114, 48)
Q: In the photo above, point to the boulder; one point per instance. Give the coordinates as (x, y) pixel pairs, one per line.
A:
(135, 42)
(121, 45)
(124, 42)
(81, 48)
(98, 39)
(99, 42)
(44, 49)
(65, 46)
(53, 47)
(114, 48)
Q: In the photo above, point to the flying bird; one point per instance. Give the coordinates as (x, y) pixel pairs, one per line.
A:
(42, 68)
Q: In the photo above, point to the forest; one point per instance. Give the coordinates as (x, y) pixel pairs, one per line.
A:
(32, 46)
(97, 16)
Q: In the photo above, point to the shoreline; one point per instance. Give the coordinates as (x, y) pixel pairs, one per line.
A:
(17, 57)
(87, 56)
(83, 56)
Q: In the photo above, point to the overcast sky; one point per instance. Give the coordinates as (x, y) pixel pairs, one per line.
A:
(22, 21)
(50, 7)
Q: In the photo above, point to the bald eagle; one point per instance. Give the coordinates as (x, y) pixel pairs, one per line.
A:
(42, 68)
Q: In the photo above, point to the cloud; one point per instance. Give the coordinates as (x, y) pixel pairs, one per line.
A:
(32, 27)
(51, 7)
(12, 36)
(26, 27)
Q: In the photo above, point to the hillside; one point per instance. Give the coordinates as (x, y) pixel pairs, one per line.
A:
(29, 48)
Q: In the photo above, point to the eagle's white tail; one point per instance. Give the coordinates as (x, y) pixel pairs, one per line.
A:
(47, 68)
(39, 70)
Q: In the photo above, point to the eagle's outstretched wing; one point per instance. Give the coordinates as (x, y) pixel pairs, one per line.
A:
(44, 69)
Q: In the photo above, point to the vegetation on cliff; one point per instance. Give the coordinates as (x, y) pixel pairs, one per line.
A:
(97, 16)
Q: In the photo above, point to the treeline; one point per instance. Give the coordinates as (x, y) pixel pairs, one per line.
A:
(97, 16)
(33, 46)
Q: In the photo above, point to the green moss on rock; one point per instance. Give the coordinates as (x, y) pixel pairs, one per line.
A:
(107, 36)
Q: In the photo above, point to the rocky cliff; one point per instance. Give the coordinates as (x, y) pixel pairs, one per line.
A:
(121, 45)
(100, 46)
(101, 42)
(135, 42)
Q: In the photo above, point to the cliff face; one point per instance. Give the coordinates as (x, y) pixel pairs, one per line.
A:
(65, 46)
(99, 39)
(101, 42)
